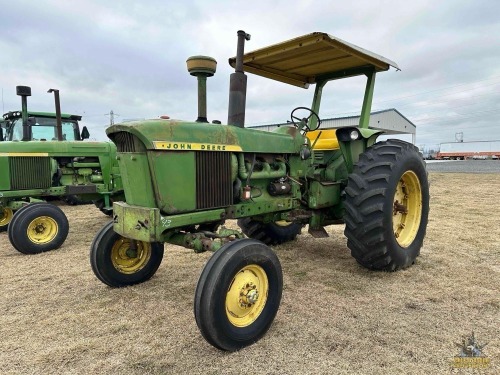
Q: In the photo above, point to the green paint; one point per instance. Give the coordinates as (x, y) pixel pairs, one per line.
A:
(95, 165)
(268, 176)
(364, 120)
(323, 195)
(187, 133)
(174, 178)
(137, 179)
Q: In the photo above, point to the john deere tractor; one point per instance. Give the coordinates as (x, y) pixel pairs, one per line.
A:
(183, 179)
(43, 156)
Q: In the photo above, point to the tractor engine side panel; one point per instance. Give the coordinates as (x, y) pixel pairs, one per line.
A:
(173, 177)
(186, 181)
(136, 178)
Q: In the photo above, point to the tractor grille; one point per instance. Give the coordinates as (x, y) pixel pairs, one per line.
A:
(319, 156)
(214, 187)
(30, 172)
(125, 142)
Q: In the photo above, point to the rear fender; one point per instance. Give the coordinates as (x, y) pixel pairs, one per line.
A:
(352, 145)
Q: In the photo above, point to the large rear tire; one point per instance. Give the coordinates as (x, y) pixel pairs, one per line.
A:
(238, 294)
(37, 228)
(117, 264)
(387, 206)
(270, 233)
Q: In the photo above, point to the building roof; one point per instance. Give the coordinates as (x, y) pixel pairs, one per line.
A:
(390, 121)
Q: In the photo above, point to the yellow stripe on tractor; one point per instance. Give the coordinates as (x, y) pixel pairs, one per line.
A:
(30, 154)
(327, 140)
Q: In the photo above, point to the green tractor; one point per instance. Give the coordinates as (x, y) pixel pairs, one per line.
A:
(182, 180)
(43, 156)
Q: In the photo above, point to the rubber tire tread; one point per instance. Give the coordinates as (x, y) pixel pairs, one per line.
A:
(24, 216)
(102, 265)
(269, 233)
(10, 234)
(214, 281)
(368, 205)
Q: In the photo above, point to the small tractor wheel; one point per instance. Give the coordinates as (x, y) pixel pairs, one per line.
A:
(10, 233)
(270, 233)
(387, 206)
(117, 264)
(38, 227)
(6, 215)
(238, 294)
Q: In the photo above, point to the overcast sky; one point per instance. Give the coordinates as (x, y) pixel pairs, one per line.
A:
(130, 57)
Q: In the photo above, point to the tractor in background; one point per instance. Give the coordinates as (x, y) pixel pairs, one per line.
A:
(43, 156)
(183, 179)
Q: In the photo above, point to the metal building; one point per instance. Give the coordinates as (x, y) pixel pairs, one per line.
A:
(391, 121)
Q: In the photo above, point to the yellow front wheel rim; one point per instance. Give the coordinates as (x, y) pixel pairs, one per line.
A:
(407, 209)
(42, 230)
(283, 223)
(127, 260)
(6, 216)
(247, 295)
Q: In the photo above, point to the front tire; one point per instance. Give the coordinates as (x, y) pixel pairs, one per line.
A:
(37, 228)
(387, 206)
(116, 264)
(270, 233)
(6, 215)
(238, 294)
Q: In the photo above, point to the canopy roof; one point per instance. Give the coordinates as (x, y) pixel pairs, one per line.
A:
(304, 60)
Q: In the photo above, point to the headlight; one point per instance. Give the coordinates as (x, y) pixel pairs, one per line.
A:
(354, 134)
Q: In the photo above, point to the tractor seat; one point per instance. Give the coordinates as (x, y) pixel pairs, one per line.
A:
(327, 141)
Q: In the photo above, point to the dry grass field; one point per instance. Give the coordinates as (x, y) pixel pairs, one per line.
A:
(335, 316)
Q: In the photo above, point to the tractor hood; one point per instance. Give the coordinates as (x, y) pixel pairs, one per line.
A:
(176, 135)
(54, 148)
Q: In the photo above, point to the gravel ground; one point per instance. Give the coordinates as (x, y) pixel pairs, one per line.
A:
(336, 317)
(464, 166)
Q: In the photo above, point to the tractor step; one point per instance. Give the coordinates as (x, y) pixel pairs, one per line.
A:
(318, 232)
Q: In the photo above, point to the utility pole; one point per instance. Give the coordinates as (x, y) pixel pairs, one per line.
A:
(111, 117)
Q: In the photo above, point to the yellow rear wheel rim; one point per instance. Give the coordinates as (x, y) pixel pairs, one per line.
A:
(247, 295)
(127, 260)
(6, 216)
(42, 230)
(407, 209)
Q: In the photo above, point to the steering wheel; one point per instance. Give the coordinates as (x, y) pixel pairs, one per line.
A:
(297, 120)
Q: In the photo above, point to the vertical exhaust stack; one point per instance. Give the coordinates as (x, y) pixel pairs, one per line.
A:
(58, 114)
(201, 67)
(238, 86)
(24, 92)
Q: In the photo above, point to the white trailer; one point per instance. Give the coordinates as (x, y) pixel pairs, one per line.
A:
(469, 150)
